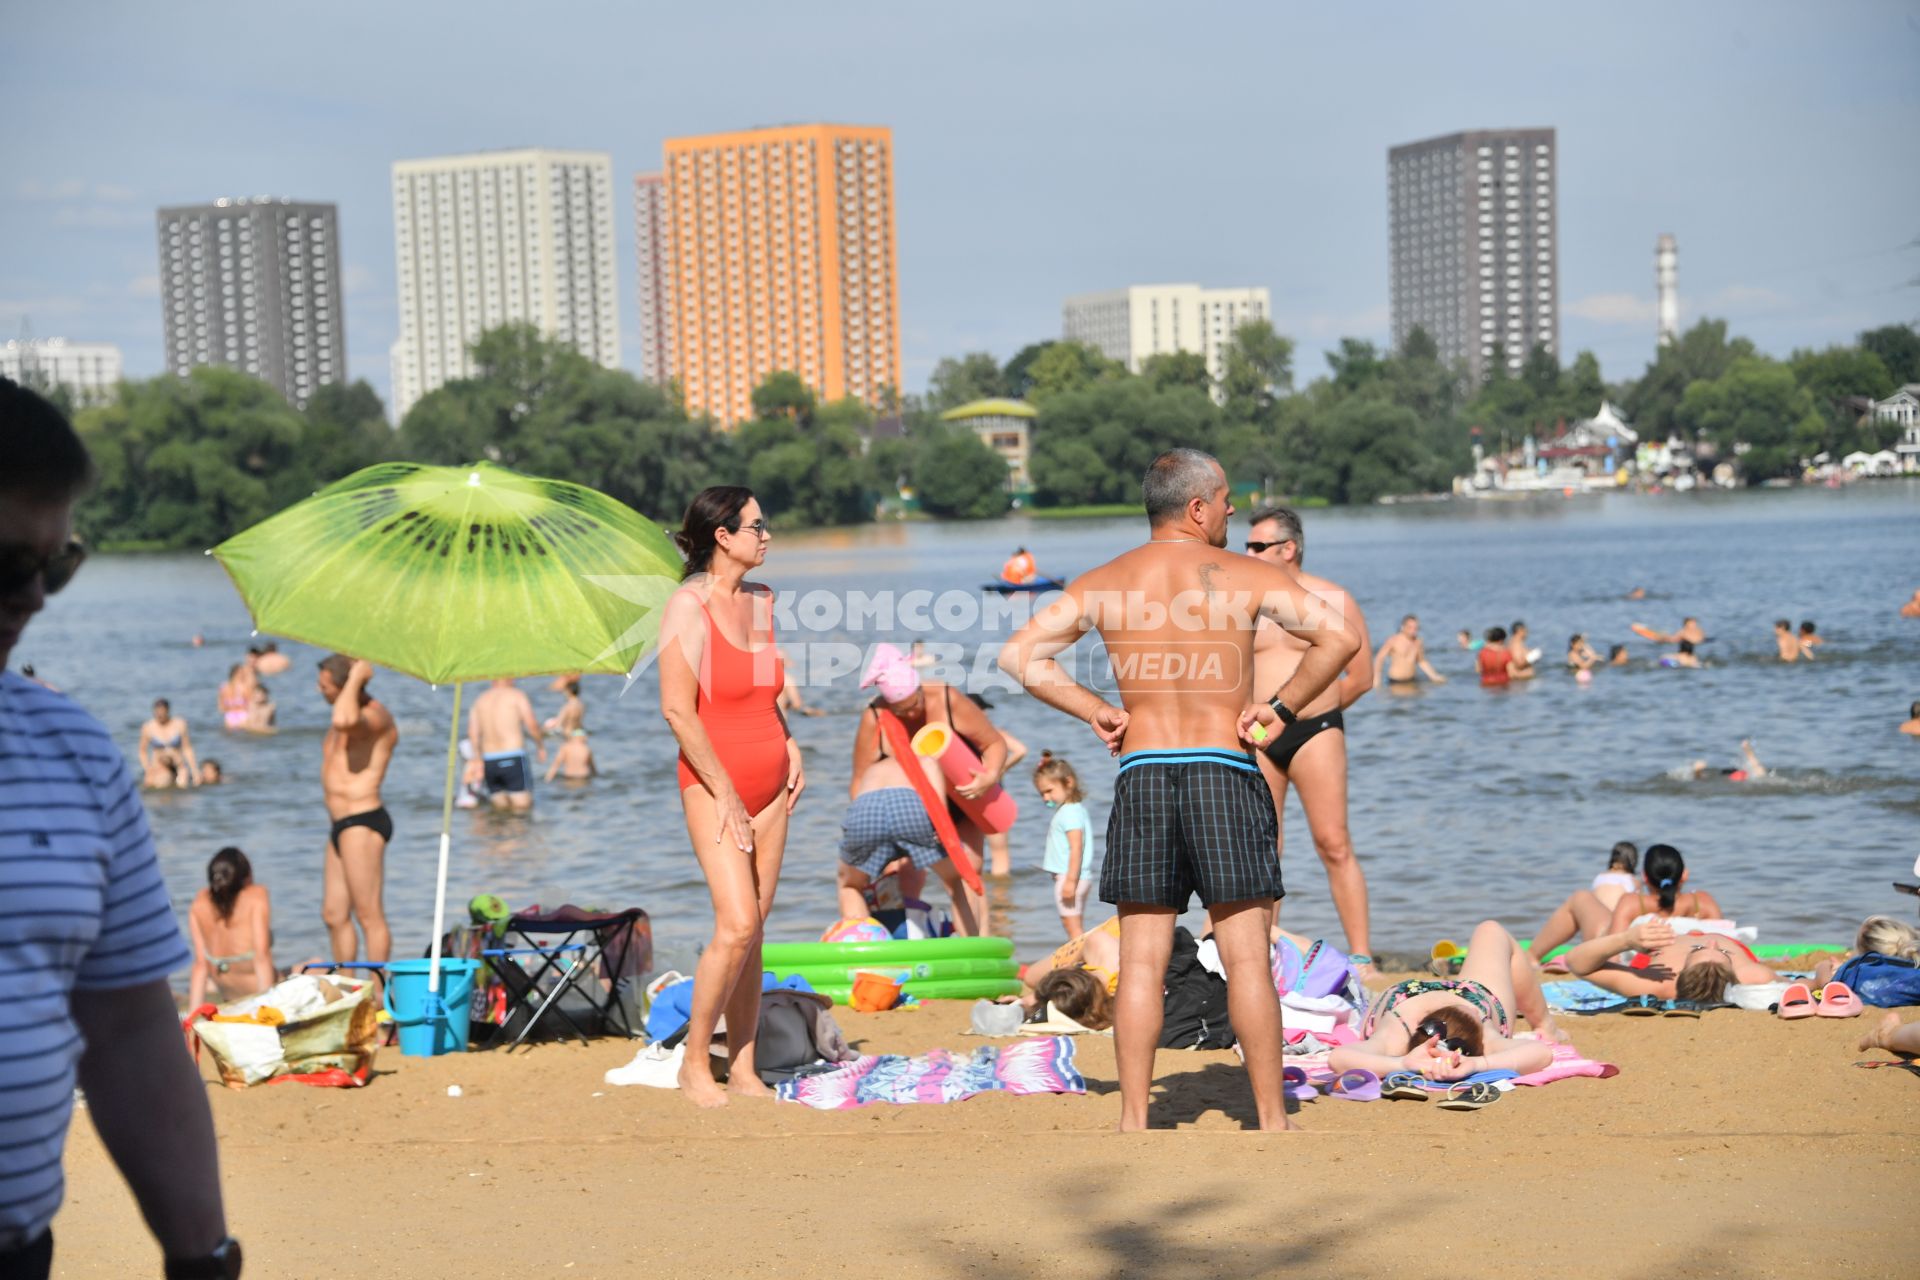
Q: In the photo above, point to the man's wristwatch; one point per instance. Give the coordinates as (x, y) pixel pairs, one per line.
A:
(221, 1264)
(1281, 709)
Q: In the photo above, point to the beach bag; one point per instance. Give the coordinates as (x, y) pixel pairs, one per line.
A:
(1195, 1003)
(309, 1029)
(1884, 981)
(1322, 971)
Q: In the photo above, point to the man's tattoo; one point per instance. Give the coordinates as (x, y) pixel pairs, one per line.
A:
(1207, 571)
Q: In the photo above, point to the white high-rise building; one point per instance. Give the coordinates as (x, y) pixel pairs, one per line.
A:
(650, 241)
(88, 370)
(494, 238)
(254, 284)
(1145, 320)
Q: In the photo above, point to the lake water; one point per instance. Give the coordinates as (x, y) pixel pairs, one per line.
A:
(1465, 803)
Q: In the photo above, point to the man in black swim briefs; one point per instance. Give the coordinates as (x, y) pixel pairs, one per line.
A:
(353, 763)
(1311, 753)
(1191, 812)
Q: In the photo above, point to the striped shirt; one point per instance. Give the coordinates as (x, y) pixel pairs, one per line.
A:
(82, 908)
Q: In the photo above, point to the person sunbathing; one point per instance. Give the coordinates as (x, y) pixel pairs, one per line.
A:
(1097, 952)
(1696, 968)
(231, 924)
(1606, 908)
(1451, 1028)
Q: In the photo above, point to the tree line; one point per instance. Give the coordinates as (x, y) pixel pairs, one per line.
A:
(186, 462)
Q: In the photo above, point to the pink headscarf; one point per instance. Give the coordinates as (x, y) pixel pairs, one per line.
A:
(892, 670)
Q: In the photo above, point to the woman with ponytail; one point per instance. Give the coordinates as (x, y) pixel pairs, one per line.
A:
(740, 774)
(1665, 874)
(231, 922)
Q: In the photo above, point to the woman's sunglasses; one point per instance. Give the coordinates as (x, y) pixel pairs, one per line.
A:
(758, 528)
(19, 566)
(1435, 1030)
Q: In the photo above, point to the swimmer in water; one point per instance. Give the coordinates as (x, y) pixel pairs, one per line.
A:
(1690, 631)
(1402, 659)
(1809, 641)
(1912, 727)
(166, 749)
(789, 698)
(1638, 593)
(1467, 641)
(1520, 667)
(1911, 609)
(1580, 654)
(211, 774)
(1617, 656)
(1789, 644)
(1681, 657)
(572, 714)
(1752, 772)
(574, 759)
(268, 660)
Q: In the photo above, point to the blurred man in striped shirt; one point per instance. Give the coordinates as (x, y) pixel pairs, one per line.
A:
(87, 934)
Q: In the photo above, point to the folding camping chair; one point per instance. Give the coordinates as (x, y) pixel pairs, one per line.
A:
(553, 975)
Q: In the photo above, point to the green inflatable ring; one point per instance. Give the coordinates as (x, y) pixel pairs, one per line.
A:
(1762, 951)
(896, 952)
(938, 989)
(841, 975)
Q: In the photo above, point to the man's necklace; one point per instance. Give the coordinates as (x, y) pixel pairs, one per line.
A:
(1164, 541)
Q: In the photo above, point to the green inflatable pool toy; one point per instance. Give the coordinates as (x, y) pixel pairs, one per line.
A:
(1762, 951)
(895, 953)
(937, 989)
(841, 975)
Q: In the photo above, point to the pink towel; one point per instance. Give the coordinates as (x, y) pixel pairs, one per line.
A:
(1566, 1064)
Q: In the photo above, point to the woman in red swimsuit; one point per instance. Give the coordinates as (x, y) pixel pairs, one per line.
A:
(740, 775)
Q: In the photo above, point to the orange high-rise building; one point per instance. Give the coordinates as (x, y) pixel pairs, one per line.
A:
(781, 254)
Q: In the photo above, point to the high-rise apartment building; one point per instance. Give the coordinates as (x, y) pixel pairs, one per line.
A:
(88, 370)
(649, 235)
(1475, 246)
(254, 284)
(495, 238)
(1144, 320)
(781, 253)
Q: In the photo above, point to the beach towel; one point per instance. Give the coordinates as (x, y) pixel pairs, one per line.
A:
(1043, 1065)
(1577, 995)
(1566, 1064)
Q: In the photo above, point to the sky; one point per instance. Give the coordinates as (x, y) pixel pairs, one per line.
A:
(1041, 149)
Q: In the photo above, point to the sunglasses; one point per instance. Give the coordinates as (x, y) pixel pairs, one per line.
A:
(19, 566)
(1254, 548)
(758, 528)
(1436, 1030)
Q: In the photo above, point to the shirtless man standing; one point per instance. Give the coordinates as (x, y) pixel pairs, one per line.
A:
(1312, 753)
(1404, 656)
(498, 728)
(353, 764)
(1191, 811)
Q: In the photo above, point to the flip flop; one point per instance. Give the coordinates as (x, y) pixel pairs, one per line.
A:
(1297, 1086)
(1405, 1086)
(1797, 1001)
(1836, 1001)
(1681, 1009)
(1356, 1086)
(1644, 1007)
(1469, 1097)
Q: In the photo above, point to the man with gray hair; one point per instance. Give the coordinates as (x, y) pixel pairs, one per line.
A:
(1191, 812)
(1311, 754)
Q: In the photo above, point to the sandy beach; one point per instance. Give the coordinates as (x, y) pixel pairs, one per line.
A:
(1736, 1145)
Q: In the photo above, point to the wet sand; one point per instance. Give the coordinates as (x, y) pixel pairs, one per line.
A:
(1737, 1145)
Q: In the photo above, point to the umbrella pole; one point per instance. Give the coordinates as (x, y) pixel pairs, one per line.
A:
(446, 841)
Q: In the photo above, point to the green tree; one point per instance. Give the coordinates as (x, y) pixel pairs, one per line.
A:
(1017, 378)
(1758, 408)
(957, 475)
(1355, 364)
(1177, 369)
(1069, 366)
(1898, 347)
(345, 429)
(974, 376)
(1419, 345)
(783, 394)
(1702, 353)
(1257, 369)
(1093, 445)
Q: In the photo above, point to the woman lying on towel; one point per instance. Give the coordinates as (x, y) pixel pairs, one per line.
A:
(1695, 967)
(1451, 1028)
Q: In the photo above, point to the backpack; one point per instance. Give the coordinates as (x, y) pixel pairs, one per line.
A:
(1195, 1003)
(1885, 981)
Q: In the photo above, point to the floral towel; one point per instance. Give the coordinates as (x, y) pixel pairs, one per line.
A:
(1042, 1065)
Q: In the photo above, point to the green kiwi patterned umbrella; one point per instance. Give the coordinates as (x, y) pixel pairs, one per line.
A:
(458, 573)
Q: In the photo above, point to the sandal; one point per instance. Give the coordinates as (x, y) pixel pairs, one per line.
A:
(1469, 1097)
(1297, 1085)
(1644, 1007)
(1797, 1001)
(1838, 1001)
(1356, 1086)
(1405, 1086)
(1682, 1009)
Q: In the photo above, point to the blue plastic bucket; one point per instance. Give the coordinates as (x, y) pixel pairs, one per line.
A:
(430, 1023)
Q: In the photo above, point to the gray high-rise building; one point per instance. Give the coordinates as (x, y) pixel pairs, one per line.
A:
(1473, 233)
(254, 284)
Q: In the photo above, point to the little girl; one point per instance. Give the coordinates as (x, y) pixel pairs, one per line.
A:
(1617, 880)
(1069, 840)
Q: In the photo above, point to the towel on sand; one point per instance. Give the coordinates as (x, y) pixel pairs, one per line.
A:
(1044, 1065)
(1567, 1063)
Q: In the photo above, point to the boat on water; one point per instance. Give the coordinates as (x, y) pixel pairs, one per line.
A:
(1036, 585)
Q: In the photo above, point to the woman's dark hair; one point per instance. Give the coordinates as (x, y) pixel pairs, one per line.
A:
(1665, 866)
(227, 874)
(1079, 995)
(1496, 634)
(1913, 712)
(1454, 1025)
(1806, 628)
(1615, 652)
(1575, 638)
(1625, 857)
(711, 510)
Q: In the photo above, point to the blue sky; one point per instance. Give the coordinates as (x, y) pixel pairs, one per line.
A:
(1041, 149)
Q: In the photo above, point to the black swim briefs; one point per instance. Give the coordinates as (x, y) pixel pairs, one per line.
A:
(507, 771)
(1186, 822)
(1284, 748)
(378, 821)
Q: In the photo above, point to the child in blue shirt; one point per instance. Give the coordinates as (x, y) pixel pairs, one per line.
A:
(1069, 840)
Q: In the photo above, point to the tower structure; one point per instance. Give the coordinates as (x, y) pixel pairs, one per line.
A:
(1666, 280)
